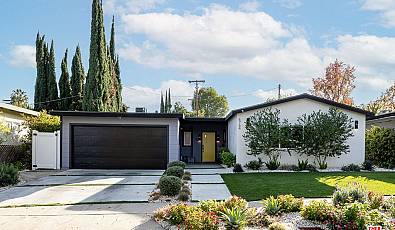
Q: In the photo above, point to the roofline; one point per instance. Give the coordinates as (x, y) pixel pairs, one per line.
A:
(18, 109)
(381, 116)
(297, 97)
(115, 114)
(205, 119)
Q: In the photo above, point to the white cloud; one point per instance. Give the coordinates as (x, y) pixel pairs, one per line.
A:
(250, 6)
(23, 56)
(290, 4)
(220, 40)
(385, 8)
(270, 94)
(141, 96)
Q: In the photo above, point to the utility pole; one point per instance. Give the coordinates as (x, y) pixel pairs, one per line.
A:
(196, 104)
(279, 91)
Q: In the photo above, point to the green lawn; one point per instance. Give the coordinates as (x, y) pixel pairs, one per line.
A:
(256, 186)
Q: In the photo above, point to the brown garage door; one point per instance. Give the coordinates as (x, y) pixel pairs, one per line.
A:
(119, 147)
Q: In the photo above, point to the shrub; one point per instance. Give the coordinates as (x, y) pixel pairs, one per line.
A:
(43, 123)
(389, 206)
(289, 203)
(317, 211)
(271, 206)
(322, 165)
(187, 176)
(289, 167)
(311, 168)
(177, 213)
(302, 165)
(368, 165)
(210, 205)
(235, 202)
(351, 216)
(351, 168)
(375, 200)
(177, 163)
(9, 174)
(277, 226)
(272, 164)
(254, 164)
(353, 192)
(183, 196)
(380, 146)
(227, 158)
(175, 171)
(261, 219)
(234, 218)
(169, 185)
(238, 168)
(200, 220)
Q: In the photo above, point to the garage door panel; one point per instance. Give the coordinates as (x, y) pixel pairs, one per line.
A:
(119, 147)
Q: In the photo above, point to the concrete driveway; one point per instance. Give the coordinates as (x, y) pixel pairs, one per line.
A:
(84, 187)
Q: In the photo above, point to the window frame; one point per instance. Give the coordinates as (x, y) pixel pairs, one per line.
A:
(183, 138)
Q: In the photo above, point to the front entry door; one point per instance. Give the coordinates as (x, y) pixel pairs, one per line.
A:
(208, 147)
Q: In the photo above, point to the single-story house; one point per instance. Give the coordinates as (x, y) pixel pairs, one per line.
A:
(385, 120)
(108, 140)
(14, 117)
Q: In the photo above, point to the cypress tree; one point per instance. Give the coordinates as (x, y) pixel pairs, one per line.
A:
(40, 87)
(112, 40)
(169, 103)
(98, 81)
(117, 85)
(64, 86)
(51, 81)
(166, 103)
(46, 69)
(77, 80)
(162, 105)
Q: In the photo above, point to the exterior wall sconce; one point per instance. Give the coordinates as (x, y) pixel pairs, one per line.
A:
(199, 138)
(217, 139)
(356, 124)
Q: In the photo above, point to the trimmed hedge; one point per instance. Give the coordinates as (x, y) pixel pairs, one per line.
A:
(169, 185)
(380, 146)
(177, 163)
(175, 171)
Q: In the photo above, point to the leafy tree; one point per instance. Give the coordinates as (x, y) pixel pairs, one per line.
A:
(99, 79)
(64, 86)
(264, 133)
(77, 80)
(211, 104)
(337, 84)
(19, 98)
(180, 108)
(380, 146)
(386, 102)
(324, 135)
(51, 81)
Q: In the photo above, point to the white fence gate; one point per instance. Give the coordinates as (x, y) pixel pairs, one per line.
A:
(46, 150)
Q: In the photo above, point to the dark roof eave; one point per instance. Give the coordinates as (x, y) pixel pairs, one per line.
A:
(297, 97)
(385, 115)
(115, 114)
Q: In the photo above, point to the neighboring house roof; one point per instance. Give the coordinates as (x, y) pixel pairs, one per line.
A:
(381, 116)
(297, 97)
(116, 114)
(18, 109)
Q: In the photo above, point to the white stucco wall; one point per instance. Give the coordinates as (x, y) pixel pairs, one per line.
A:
(172, 123)
(291, 111)
(232, 134)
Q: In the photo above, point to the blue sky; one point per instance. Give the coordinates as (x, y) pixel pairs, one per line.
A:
(242, 48)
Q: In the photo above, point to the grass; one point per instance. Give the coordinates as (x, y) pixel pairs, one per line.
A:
(256, 186)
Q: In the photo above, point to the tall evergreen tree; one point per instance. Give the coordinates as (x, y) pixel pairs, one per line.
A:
(169, 103)
(162, 105)
(40, 91)
(116, 78)
(119, 85)
(77, 80)
(166, 103)
(51, 81)
(112, 40)
(98, 81)
(64, 86)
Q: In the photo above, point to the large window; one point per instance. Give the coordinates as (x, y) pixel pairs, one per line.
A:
(187, 138)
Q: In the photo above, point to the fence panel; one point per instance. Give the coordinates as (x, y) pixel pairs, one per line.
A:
(46, 150)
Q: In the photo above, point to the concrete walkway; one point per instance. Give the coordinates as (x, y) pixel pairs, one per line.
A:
(207, 182)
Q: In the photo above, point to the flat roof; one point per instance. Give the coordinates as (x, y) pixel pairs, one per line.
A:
(381, 116)
(18, 109)
(297, 97)
(115, 114)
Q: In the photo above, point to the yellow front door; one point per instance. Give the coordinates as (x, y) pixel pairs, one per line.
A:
(208, 147)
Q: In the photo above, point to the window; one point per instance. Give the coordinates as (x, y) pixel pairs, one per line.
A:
(187, 138)
(356, 125)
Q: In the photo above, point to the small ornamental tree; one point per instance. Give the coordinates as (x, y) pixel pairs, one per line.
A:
(324, 135)
(264, 133)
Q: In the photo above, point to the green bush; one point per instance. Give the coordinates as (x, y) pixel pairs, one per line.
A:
(368, 165)
(277, 226)
(375, 200)
(351, 168)
(380, 146)
(289, 203)
(169, 185)
(43, 123)
(302, 165)
(317, 211)
(174, 171)
(272, 164)
(183, 196)
(187, 176)
(234, 218)
(254, 164)
(177, 163)
(227, 158)
(353, 192)
(272, 206)
(389, 206)
(9, 174)
(177, 213)
(289, 167)
(197, 219)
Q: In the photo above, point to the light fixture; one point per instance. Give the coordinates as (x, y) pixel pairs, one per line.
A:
(218, 140)
(199, 138)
